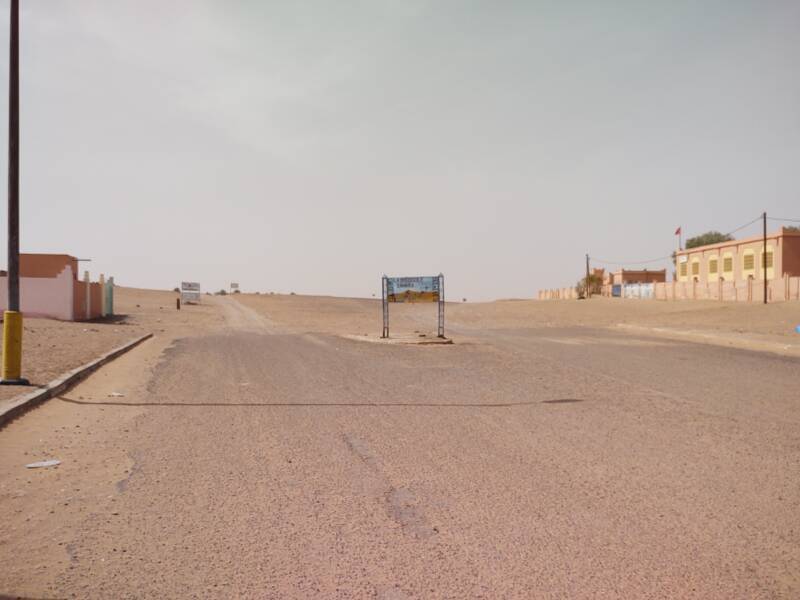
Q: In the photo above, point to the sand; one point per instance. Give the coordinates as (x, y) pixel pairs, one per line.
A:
(256, 452)
(51, 347)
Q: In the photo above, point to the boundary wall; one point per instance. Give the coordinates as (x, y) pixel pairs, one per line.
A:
(751, 290)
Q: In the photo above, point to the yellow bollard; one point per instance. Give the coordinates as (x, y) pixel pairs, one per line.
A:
(12, 348)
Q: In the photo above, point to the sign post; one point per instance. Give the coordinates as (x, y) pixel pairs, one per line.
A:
(385, 305)
(411, 290)
(440, 332)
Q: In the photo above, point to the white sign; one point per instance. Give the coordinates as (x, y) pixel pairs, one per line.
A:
(190, 297)
(682, 259)
(234, 286)
(190, 292)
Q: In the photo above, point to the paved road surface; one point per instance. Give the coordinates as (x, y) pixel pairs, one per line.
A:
(521, 464)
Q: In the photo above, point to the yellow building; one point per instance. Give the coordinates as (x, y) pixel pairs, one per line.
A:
(740, 260)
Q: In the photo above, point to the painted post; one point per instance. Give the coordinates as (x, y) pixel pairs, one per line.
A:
(102, 295)
(764, 259)
(110, 299)
(88, 291)
(12, 318)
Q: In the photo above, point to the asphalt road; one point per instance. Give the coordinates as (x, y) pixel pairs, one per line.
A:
(541, 463)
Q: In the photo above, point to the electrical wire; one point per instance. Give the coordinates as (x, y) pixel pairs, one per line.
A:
(787, 220)
(670, 256)
(758, 218)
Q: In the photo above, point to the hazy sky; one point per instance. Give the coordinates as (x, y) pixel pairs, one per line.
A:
(313, 146)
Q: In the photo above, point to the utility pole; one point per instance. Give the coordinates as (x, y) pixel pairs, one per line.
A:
(12, 318)
(764, 260)
(586, 286)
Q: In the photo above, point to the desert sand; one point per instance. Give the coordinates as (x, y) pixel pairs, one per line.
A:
(250, 449)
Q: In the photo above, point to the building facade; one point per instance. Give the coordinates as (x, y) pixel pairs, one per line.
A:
(742, 260)
(628, 276)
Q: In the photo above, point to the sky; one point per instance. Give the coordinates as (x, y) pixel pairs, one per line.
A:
(311, 147)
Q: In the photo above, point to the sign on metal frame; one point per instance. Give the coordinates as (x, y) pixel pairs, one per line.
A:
(412, 289)
(190, 292)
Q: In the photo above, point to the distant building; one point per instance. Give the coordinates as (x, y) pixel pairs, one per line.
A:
(628, 276)
(740, 260)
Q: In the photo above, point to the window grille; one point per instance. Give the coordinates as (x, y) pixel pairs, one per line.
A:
(727, 264)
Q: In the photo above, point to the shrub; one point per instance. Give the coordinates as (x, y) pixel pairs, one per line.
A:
(709, 237)
(595, 283)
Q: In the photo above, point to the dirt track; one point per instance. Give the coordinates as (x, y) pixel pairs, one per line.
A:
(258, 458)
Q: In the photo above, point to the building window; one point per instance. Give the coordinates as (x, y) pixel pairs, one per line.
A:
(727, 264)
(695, 268)
(683, 269)
(712, 266)
(749, 262)
(768, 261)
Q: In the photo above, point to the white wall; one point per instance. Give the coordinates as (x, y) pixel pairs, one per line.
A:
(43, 296)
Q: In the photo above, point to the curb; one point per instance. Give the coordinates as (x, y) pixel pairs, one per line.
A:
(407, 341)
(20, 404)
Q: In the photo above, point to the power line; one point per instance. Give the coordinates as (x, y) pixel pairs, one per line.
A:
(787, 220)
(670, 256)
(758, 218)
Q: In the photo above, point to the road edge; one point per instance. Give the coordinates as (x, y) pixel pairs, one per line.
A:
(25, 402)
(715, 339)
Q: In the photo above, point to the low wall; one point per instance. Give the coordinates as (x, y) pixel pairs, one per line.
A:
(639, 291)
(95, 291)
(567, 293)
(752, 290)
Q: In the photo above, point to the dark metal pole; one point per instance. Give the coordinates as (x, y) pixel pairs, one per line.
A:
(385, 306)
(441, 305)
(13, 161)
(764, 260)
(12, 318)
(586, 286)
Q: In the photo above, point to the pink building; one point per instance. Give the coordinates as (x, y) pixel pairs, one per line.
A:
(49, 287)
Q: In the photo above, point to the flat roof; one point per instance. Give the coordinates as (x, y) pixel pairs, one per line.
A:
(782, 232)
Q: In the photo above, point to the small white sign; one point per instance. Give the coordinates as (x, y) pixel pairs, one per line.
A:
(682, 259)
(234, 286)
(190, 297)
(190, 286)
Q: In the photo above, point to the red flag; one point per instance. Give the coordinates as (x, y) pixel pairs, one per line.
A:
(678, 231)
